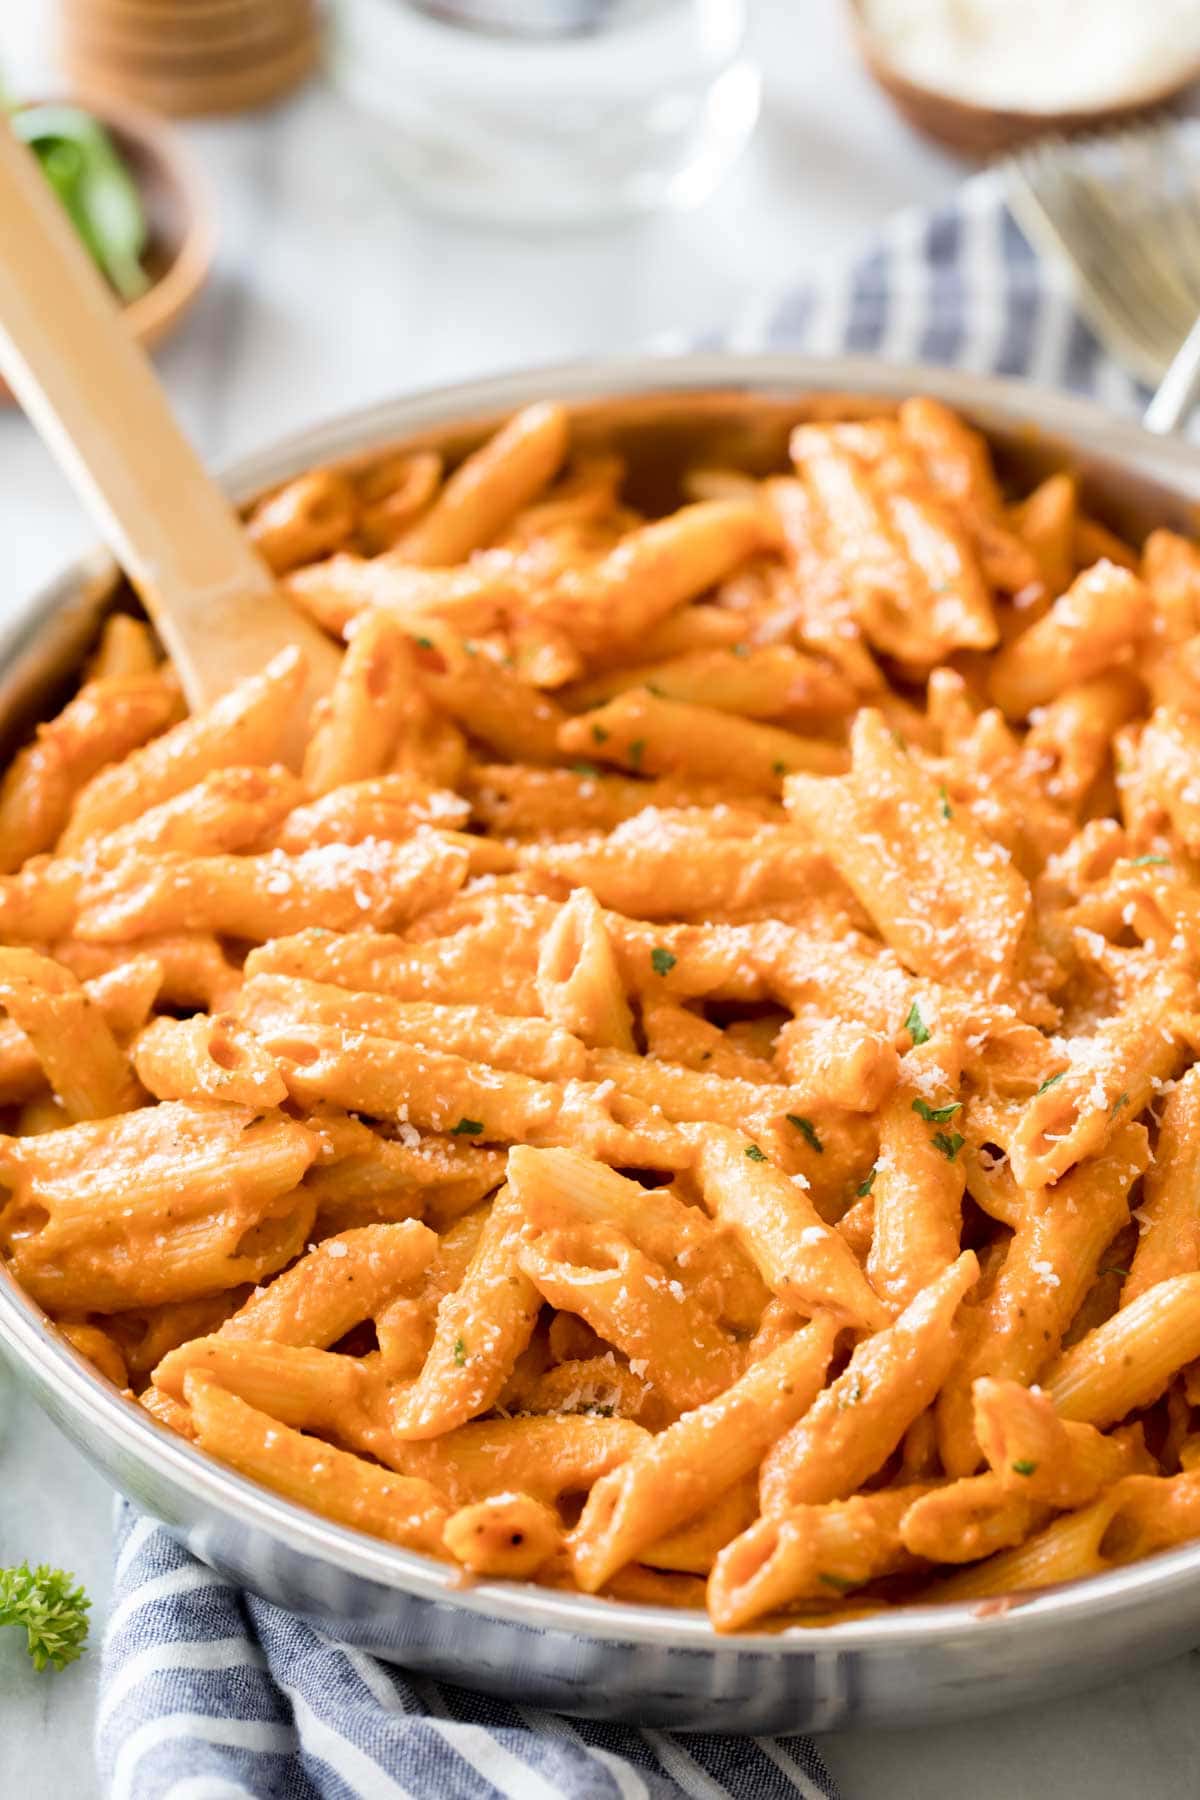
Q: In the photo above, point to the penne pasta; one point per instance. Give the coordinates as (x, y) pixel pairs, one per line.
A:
(678, 1080)
(1049, 1265)
(800, 1258)
(855, 1423)
(684, 1470)
(247, 726)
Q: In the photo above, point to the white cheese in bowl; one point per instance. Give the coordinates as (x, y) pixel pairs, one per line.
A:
(1038, 55)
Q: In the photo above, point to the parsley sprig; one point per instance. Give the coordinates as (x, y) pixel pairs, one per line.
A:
(51, 1608)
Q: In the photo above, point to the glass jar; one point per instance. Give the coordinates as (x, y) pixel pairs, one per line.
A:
(551, 112)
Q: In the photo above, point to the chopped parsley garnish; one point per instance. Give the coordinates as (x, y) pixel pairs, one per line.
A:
(807, 1129)
(423, 643)
(1051, 1081)
(584, 768)
(947, 809)
(915, 1025)
(50, 1607)
(1112, 1269)
(864, 1187)
(636, 752)
(599, 735)
(837, 1581)
(661, 960)
(851, 1395)
(1120, 1101)
(936, 1115)
(651, 688)
(741, 649)
(754, 1153)
(467, 1128)
(1149, 862)
(949, 1143)
(460, 1352)
(1024, 1467)
(778, 767)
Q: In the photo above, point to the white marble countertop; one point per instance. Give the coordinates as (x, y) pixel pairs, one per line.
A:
(330, 291)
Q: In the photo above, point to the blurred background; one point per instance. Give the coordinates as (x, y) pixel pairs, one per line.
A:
(337, 277)
(310, 204)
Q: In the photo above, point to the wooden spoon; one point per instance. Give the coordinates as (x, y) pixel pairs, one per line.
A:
(99, 408)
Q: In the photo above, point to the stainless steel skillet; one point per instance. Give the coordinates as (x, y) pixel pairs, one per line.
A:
(565, 1651)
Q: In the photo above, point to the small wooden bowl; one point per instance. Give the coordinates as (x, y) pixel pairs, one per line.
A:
(179, 215)
(981, 132)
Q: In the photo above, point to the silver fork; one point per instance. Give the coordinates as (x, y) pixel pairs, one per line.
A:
(1124, 211)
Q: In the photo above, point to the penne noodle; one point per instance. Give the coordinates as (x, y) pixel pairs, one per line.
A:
(561, 1189)
(855, 1423)
(685, 1469)
(800, 1258)
(108, 718)
(482, 1327)
(345, 1488)
(486, 491)
(1097, 1380)
(656, 569)
(85, 1207)
(544, 1458)
(578, 980)
(1168, 1219)
(305, 520)
(386, 806)
(1093, 627)
(270, 1003)
(346, 1279)
(1051, 1262)
(809, 1553)
(937, 890)
(249, 725)
(374, 884)
(666, 1332)
(206, 1058)
(919, 1180)
(70, 1035)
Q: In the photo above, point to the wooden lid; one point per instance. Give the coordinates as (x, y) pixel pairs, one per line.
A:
(203, 57)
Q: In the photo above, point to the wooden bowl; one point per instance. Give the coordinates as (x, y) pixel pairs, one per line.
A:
(179, 215)
(981, 132)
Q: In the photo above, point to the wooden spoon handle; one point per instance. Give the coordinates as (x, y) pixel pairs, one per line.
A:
(98, 405)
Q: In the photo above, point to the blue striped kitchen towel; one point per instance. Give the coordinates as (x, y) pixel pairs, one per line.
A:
(208, 1693)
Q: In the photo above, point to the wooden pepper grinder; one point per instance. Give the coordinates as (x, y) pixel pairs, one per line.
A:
(189, 56)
